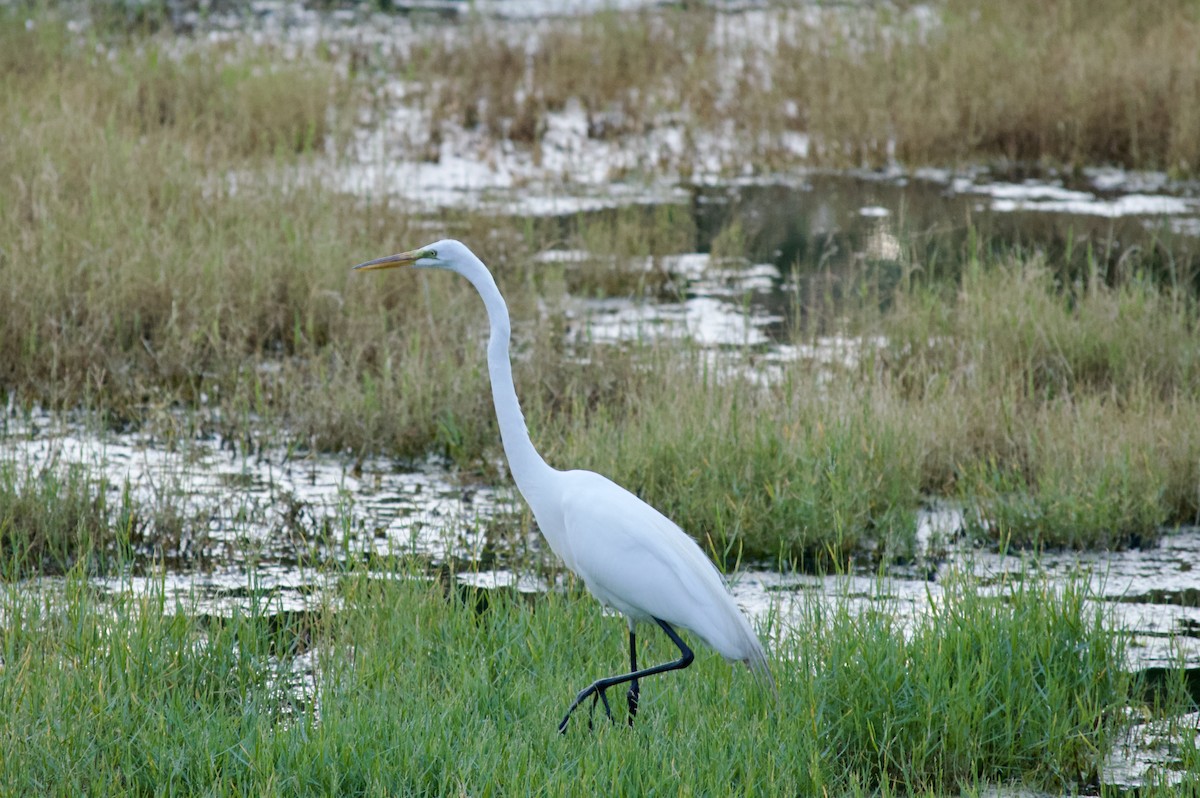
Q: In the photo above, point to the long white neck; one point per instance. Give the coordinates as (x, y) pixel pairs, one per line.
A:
(528, 468)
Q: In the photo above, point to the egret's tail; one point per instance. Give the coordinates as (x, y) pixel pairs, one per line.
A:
(757, 663)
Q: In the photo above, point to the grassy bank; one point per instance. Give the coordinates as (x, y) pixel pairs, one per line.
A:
(399, 691)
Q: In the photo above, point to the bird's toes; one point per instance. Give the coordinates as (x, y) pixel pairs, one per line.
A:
(604, 700)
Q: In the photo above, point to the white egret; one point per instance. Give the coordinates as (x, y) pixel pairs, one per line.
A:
(629, 555)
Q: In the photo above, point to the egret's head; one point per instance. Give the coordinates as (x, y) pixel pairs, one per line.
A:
(447, 254)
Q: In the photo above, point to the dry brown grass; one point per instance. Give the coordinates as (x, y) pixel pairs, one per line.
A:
(1064, 84)
(1047, 405)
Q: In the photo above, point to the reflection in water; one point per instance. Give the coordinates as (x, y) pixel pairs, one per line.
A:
(839, 224)
(818, 241)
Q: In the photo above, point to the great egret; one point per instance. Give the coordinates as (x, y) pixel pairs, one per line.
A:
(631, 557)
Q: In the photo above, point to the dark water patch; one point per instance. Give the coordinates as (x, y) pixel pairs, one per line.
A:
(480, 592)
(897, 228)
(770, 251)
(1182, 597)
(1157, 684)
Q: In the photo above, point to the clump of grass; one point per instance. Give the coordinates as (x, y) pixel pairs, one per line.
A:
(52, 519)
(1021, 684)
(1048, 406)
(1047, 339)
(221, 106)
(131, 694)
(239, 109)
(1084, 84)
(1113, 499)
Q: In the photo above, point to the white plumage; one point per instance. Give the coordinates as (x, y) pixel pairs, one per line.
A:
(637, 561)
(630, 556)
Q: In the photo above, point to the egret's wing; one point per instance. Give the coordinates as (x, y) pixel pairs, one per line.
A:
(638, 561)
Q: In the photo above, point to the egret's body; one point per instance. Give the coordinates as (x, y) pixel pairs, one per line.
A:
(629, 555)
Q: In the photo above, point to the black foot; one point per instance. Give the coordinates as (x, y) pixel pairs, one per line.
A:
(603, 700)
(596, 691)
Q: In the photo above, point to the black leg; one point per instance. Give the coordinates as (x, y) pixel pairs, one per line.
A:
(598, 687)
(632, 696)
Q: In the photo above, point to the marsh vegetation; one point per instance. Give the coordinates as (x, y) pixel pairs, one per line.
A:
(175, 260)
(391, 687)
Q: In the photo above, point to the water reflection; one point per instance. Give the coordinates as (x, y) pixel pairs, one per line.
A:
(828, 238)
(928, 223)
(272, 506)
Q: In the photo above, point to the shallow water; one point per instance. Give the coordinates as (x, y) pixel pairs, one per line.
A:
(258, 545)
(263, 525)
(266, 521)
(269, 508)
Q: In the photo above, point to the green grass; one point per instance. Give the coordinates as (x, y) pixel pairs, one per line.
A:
(955, 702)
(412, 694)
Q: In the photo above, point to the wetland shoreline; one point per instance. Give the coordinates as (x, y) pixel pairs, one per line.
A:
(227, 466)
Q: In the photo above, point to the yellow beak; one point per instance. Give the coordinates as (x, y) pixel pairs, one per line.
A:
(393, 261)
